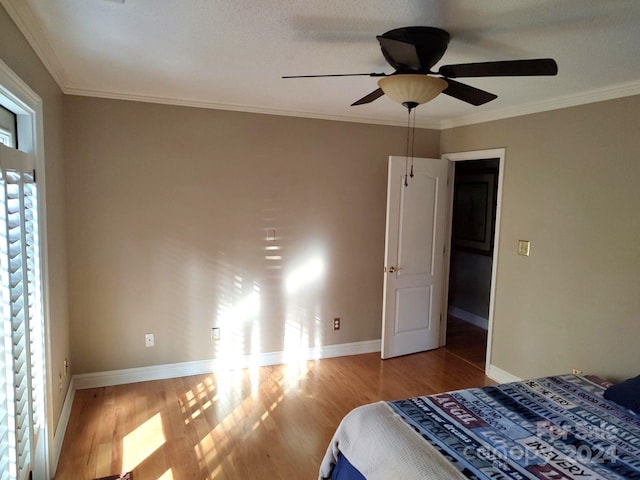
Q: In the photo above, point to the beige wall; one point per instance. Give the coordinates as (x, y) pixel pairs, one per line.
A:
(571, 187)
(18, 55)
(169, 209)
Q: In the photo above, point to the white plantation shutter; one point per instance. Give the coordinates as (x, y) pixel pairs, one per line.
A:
(34, 306)
(6, 375)
(21, 349)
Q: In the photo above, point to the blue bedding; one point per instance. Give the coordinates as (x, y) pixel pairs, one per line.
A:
(557, 427)
(553, 427)
(343, 470)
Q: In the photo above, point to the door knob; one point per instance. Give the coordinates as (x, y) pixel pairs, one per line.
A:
(393, 269)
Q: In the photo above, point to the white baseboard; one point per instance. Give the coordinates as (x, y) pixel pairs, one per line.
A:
(184, 369)
(469, 317)
(501, 376)
(65, 413)
(159, 372)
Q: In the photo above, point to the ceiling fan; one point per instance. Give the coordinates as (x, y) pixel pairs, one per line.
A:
(415, 50)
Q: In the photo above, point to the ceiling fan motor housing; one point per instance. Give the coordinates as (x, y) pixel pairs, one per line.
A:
(430, 44)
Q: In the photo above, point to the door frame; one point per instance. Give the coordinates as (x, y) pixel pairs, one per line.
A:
(498, 153)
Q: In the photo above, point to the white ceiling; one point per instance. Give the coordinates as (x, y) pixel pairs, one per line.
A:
(231, 54)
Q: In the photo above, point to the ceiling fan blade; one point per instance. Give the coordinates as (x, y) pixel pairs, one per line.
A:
(507, 68)
(338, 75)
(467, 93)
(400, 55)
(376, 94)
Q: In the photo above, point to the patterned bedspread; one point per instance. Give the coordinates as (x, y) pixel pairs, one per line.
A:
(549, 428)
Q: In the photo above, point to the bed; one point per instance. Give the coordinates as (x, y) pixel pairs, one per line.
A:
(559, 427)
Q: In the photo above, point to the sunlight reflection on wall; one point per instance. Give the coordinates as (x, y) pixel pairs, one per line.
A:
(238, 319)
(303, 286)
(304, 276)
(288, 304)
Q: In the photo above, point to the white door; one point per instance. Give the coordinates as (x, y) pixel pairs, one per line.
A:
(414, 256)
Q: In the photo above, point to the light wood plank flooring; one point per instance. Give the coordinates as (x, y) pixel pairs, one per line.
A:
(269, 422)
(467, 341)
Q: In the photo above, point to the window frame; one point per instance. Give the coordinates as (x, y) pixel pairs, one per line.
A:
(19, 98)
(8, 134)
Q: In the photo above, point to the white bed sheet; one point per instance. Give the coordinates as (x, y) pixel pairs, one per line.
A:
(382, 446)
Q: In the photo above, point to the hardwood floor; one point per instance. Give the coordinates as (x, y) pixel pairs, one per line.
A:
(467, 341)
(268, 422)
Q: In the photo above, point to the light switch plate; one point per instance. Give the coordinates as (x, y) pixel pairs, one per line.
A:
(524, 247)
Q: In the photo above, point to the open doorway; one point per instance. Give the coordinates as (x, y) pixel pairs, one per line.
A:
(475, 195)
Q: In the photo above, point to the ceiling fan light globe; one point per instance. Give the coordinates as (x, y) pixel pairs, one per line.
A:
(410, 88)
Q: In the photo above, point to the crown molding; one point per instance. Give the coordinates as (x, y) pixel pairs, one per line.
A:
(430, 124)
(29, 26)
(591, 96)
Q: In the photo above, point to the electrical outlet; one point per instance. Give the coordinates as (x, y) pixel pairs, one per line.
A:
(575, 371)
(66, 367)
(149, 340)
(524, 247)
(336, 323)
(215, 334)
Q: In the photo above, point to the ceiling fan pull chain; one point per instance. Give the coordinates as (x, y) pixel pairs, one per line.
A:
(406, 157)
(413, 138)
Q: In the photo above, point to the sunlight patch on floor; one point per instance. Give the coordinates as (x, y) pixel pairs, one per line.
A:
(207, 451)
(142, 442)
(168, 475)
(199, 399)
(214, 447)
